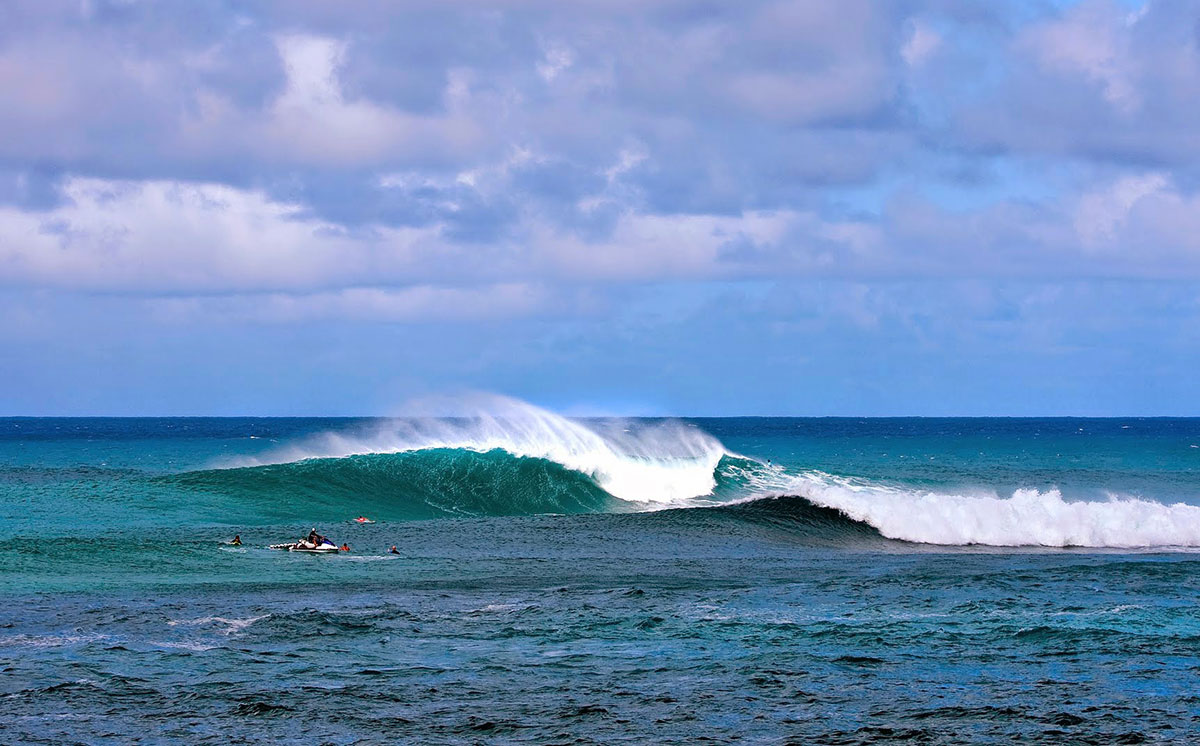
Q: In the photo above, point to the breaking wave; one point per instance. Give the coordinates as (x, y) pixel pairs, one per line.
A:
(1028, 517)
(510, 458)
(663, 462)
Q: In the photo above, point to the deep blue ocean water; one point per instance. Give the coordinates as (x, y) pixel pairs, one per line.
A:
(774, 580)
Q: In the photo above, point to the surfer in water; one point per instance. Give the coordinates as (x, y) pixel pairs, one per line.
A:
(345, 547)
(237, 540)
(393, 550)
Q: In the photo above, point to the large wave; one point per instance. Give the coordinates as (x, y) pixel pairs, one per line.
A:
(509, 458)
(662, 462)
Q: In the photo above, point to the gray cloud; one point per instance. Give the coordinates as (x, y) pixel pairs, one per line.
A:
(1099, 81)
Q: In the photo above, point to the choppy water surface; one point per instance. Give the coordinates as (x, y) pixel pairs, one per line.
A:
(752, 581)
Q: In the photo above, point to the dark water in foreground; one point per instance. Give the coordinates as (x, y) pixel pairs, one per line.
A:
(533, 604)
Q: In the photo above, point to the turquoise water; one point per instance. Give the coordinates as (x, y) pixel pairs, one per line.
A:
(601, 581)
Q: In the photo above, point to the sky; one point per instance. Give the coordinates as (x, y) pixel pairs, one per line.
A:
(769, 207)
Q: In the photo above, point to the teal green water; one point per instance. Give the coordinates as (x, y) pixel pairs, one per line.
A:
(745, 580)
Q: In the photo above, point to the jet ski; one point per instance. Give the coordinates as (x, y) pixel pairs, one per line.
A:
(314, 544)
(324, 546)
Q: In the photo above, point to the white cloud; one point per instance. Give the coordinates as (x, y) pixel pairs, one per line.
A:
(163, 237)
(1093, 41)
(558, 57)
(158, 236)
(312, 122)
(1102, 212)
(419, 303)
(921, 44)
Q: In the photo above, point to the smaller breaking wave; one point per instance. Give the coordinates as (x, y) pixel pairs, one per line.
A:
(1030, 517)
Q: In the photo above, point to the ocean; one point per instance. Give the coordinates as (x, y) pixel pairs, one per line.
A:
(600, 581)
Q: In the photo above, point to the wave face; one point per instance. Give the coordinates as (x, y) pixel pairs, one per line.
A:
(435, 483)
(801, 518)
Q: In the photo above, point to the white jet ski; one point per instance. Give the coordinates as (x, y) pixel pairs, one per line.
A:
(323, 547)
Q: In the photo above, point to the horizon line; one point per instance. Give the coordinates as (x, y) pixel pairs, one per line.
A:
(606, 416)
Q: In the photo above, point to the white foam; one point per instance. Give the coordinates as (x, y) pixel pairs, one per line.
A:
(662, 463)
(231, 625)
(195, 647)
(1026, 518)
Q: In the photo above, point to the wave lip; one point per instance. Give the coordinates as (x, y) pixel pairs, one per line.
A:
(1028, 518)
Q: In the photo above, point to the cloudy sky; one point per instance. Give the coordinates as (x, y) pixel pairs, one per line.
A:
(868, 207)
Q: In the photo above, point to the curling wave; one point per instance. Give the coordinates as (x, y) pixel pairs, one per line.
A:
(661, 463)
